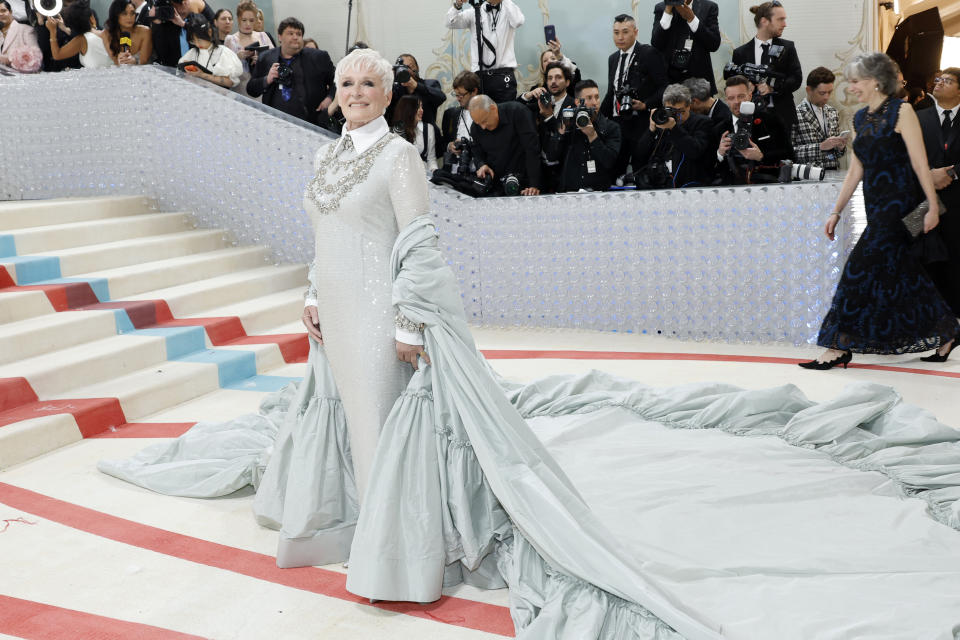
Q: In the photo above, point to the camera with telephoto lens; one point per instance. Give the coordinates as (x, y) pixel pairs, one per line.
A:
(757, 73)
(583, 116)
(458, 171)
(285, 75)
(741, 139)
(790, 172)
(681, 58)
(663, 115)
(401, 72)
(164, 10)
(567, 115)
(653, 175)
(511, 185)
(623, 96)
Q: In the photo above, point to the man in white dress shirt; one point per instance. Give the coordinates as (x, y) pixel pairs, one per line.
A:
(494, 59)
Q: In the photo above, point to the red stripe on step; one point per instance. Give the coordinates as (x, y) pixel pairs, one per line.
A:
(147, 430)
(452, 611)
(15, 392)
(6, 280)
(64, 296)
(38, 621)
(294, 347)
(219, 330)
(509, 354)
(142, 313)
(93, 415)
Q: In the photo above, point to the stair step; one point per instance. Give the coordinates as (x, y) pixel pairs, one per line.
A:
(77, 234)
(128, 281)
(111, 255)
(262, 314)
(197, 298)
(20, 305)
(28, 439)
(22, 214)
(52, 332)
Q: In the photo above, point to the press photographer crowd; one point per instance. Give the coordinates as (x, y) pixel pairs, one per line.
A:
(657, 122)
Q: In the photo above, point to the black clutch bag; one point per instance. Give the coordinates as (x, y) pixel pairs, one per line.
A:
(913, 221)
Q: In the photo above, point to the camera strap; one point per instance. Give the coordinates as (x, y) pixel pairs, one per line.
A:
(482, 39)
(426, 141)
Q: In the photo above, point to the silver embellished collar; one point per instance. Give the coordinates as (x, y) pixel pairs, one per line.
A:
(341, 170)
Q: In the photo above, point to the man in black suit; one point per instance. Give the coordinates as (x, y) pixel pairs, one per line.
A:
(548, 102)
(456, 119)
(428, 90)
(941, 136)
(704, 102)
(686, 36)
(143, 11)
(505, 142)
(310, 88)
(769, 142)
(640, 70)
(768, 48)
(682, 143)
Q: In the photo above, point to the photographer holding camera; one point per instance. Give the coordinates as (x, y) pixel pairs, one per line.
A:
(755, 143)
(407, 82)
(780, 73)
(493, 25)
(584, 142)
(636, 78)
(456, 121)
(170, 41)
(703, 101)
(292, 79)
(676, 150)
(686, 32)
(816, 137)
(506, 145)
(548, 103)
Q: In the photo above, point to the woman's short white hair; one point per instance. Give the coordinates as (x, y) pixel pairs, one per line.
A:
(366, 60)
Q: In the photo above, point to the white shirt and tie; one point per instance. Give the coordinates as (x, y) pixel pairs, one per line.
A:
(502, 23)
(952, 114)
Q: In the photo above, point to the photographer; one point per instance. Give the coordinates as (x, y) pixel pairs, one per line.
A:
(686, 32)
(213, 62)
(506, 145)
(816, 136)
(169, 36)
(548, 103)
(676, 150)
(456, 119)
(493, 57)
(778, 56)
(292, 79)
(636, 78)
(407, 82)
(755, 143)
(586, 146)
(702, 101)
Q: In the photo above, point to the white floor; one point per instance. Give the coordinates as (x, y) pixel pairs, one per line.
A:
(101, 547)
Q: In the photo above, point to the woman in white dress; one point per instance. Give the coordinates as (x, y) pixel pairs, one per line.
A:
(87, 41)
(219, 65)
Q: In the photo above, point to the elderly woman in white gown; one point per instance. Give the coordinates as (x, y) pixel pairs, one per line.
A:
(457, 487)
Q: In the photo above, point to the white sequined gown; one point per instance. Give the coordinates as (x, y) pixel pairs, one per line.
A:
(356, 220)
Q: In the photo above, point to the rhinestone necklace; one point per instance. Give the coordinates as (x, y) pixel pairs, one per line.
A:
(327, 192)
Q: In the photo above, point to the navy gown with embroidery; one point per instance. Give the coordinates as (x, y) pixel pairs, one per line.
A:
(885, 302)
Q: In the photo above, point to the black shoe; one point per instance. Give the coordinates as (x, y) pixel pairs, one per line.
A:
(823, 366)
(936, 357)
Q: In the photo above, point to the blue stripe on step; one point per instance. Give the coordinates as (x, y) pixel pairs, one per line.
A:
(232, 366)
(100, 286)
(181, 341)
(263, 383)
(35, 269)
(124, 324)
(8, 246)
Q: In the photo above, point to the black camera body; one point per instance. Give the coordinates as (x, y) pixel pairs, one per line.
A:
(164, 10)
(546, 99)
(653, 175)
(663, 115)
(583, 115)
(741, 139)
(623, 96)
(285, 75)
(401, 73)
(681, 58)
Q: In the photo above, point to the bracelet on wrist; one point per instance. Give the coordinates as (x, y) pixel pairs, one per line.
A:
(836, 213)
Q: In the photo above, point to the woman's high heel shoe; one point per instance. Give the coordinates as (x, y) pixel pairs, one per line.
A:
(937, 357)
(823, 366)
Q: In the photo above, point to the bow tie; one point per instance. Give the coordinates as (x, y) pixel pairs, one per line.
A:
(491, 7)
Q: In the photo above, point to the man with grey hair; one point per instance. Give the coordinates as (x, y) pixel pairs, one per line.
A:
(505, 143)
(705, 103)
(676, 149)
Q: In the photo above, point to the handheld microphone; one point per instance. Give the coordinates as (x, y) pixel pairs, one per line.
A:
(125, 41)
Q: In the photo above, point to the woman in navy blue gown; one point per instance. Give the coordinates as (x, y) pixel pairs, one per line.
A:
(885, 303)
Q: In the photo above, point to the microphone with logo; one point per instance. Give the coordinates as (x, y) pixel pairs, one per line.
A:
(125, 42)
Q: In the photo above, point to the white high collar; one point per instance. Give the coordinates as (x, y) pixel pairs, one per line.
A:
(366, 136)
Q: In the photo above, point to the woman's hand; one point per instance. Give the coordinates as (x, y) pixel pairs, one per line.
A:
(932, 219)
(410, 353)
(311, 320)
(831, 225)
(52, 25)
(126, 57)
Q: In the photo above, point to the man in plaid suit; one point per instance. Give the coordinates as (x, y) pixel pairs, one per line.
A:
(816, 136)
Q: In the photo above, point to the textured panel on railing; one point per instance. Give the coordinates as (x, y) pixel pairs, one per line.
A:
(734, 264)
